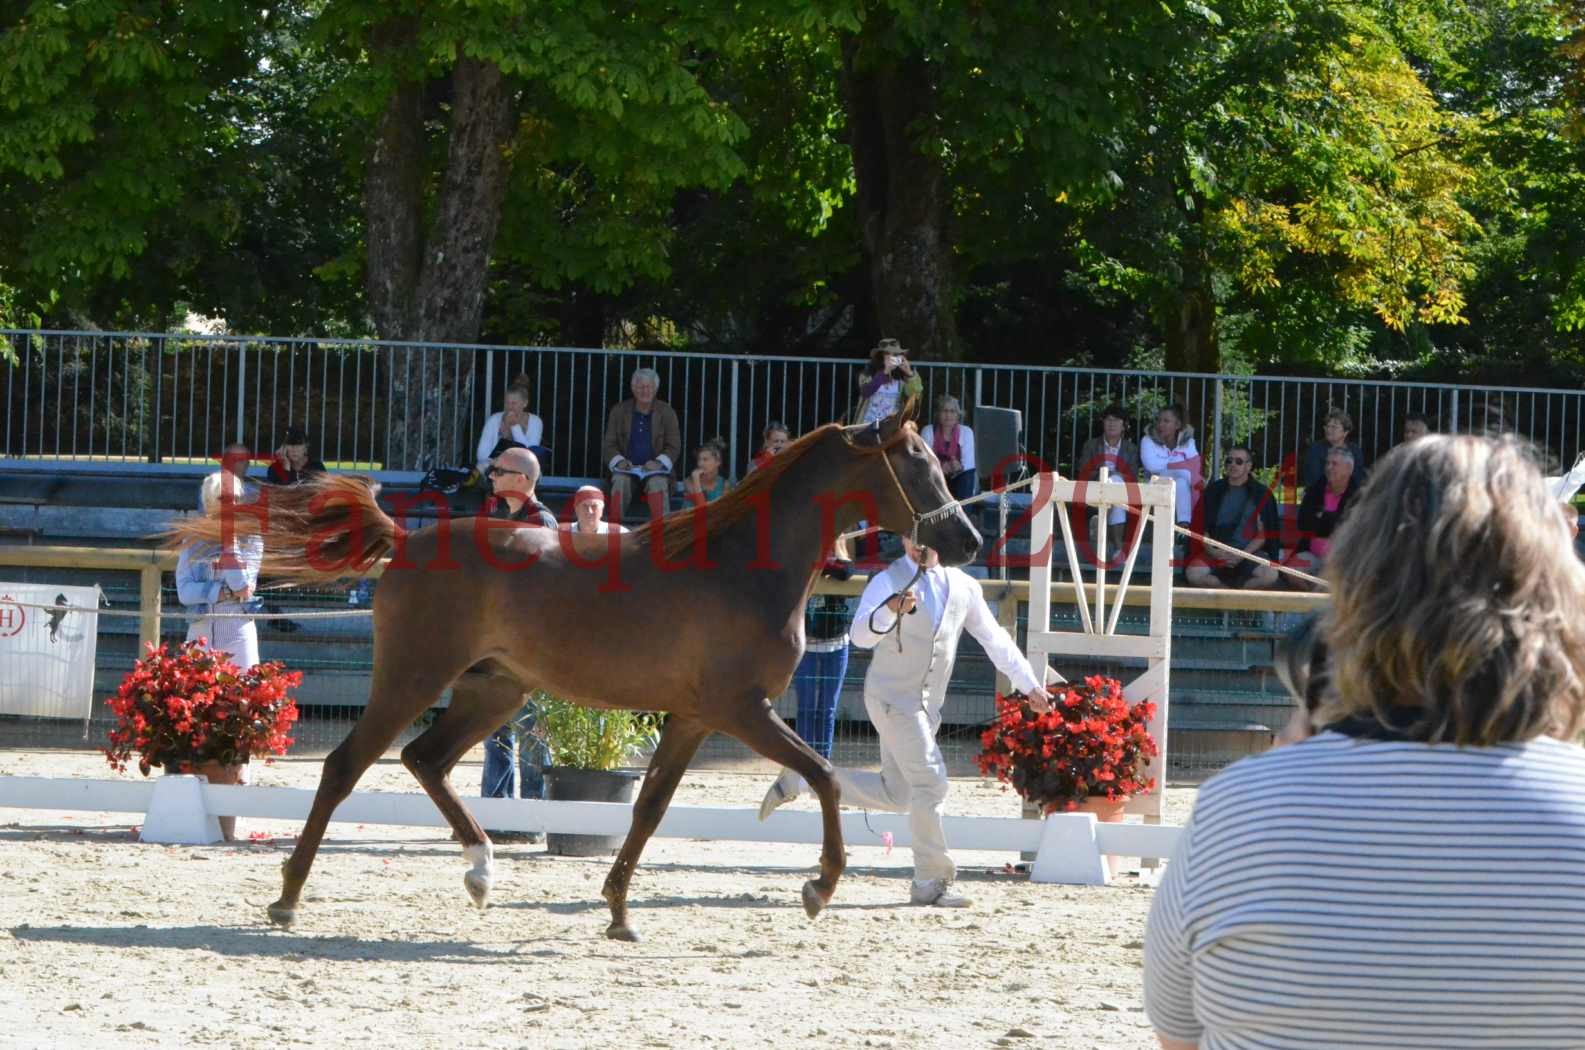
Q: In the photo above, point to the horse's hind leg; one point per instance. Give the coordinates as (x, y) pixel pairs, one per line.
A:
(391, 708)
(678, 742)
(764, 731)
(487, 703)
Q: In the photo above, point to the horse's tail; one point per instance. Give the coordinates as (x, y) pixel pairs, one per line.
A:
(328, 527)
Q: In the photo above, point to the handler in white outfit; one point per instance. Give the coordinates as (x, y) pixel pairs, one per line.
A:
(904, 691)
(213, 579)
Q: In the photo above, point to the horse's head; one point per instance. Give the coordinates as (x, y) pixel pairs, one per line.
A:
(911, 491)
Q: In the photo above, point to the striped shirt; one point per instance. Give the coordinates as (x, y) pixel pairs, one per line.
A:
(1383, 894)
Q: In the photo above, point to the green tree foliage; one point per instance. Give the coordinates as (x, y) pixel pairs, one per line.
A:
(1249, 183)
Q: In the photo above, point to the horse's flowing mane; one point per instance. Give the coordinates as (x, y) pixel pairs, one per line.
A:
(678, 530)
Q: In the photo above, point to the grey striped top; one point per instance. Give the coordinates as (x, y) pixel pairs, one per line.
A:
(1358, 893)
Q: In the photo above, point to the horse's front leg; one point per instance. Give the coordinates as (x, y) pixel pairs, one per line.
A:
(766, 733)
(678, 742)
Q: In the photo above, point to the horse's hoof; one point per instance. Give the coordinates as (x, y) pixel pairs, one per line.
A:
(620, 931)
(814, 903)
(282, 914)
(478, 888)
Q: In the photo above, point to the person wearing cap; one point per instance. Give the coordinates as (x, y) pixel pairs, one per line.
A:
(904, 690)
(886, 384)
(291, 464)
(588, 513)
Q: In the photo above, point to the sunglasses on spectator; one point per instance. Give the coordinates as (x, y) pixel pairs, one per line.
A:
(496, 472)
(1235, 461)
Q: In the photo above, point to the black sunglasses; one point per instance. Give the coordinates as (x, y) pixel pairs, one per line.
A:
(1235, 461)
(496, 472)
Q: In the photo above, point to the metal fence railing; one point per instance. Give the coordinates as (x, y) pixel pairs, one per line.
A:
(86, 397)
(1225, 702)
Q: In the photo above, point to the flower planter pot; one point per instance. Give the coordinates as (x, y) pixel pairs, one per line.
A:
(220, 773)
(564, 784)
(1107, 812)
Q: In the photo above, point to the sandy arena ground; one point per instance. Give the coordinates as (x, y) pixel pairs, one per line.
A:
(108, 942)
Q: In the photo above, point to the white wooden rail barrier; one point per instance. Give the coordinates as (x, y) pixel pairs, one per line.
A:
(1068, 847)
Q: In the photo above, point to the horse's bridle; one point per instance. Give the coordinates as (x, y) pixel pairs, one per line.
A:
(913, 538)
(917, 517)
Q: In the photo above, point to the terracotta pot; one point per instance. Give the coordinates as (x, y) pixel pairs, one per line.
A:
(220, 773)
(1107, 812)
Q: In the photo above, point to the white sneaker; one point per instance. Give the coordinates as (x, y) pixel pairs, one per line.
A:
(937, 893)
(782, 790)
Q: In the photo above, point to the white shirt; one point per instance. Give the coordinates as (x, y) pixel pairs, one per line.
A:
(529, 436)
(933, 588)
(602, 527)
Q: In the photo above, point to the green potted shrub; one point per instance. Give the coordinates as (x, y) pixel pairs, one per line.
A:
(588, 748)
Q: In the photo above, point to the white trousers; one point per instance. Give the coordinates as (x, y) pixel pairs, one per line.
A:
(912, 780)
(1184, 480)
(240, 638)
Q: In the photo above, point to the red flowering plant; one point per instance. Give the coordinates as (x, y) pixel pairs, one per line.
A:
(1092, 743)
(180, 709)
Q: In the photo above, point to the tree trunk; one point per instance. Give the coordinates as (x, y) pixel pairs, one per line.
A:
(430, 288)
(1189, 319)
(901, 193)
(393, 194)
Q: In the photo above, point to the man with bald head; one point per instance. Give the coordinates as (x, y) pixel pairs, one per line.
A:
(514, 758)
(513, 477)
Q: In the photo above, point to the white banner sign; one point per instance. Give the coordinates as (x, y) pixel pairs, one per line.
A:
(47, 655)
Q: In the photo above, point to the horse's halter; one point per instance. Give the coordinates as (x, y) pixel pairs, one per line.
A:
(913, 512)
(918, 520)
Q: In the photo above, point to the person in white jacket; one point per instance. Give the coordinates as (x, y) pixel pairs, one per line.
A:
(516, 423)
(1168, 450)
(904, 690)
(211, 578)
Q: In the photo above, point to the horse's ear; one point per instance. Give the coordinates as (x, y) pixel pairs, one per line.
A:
(863, 435)
(895, 422)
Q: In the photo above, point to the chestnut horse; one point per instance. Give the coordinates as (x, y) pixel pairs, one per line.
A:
(698, 614)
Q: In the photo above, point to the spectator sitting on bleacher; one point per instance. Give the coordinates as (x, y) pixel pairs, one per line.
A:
(211, 578)
(1168, 450)
(1336, 432)
(588, 513)
(886, 384)
(643, 441)
(515, 425)
(1242, 513)
(291, 464)
(1113, 449)
(1322, 508)
(953, 443)
(705, 483)
(774, 438)
(515, 473)
(1415, 426)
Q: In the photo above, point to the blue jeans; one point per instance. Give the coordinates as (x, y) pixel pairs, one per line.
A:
(818, 682)
(527, 779)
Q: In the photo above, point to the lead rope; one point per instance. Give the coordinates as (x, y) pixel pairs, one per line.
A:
(919, 570)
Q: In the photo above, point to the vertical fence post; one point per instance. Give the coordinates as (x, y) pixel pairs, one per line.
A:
(242, 388)
(731, 444)
(1452, 427)
(149, 581)
(159, 396)
(1007, 616)
(1216, 434)
(979, 387)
